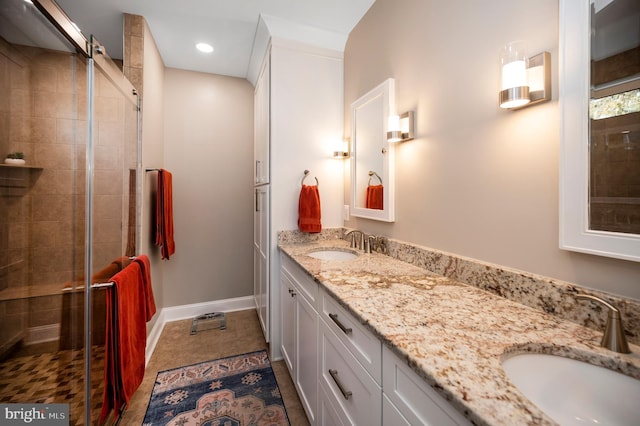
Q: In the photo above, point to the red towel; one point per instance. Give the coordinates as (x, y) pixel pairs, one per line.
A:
(126, 339)
(149, 300)
(309, 209)
(375, 197)
(164, 214)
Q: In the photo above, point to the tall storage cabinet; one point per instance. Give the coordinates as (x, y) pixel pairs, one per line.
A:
(298, 116)
(262, 196)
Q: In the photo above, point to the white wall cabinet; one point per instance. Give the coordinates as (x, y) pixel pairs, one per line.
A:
(261, 231)
(299, 320)
(298, 113)
(261, 108)
(343, 373)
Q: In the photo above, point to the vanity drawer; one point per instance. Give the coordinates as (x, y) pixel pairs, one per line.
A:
(353, 393)
(364, 346)
(306, 285)
(417, 402)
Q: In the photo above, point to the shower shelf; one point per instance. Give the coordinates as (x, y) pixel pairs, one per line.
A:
(18, 166)
(16, 176)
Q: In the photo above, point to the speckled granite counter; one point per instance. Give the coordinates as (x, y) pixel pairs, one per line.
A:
(452, 334)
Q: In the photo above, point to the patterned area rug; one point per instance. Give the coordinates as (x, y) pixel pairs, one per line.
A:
(236, 391)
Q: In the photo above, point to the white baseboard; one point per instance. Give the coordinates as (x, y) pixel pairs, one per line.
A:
(176, 313)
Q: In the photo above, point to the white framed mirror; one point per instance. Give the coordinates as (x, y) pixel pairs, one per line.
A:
(600, 152)
(372, 157)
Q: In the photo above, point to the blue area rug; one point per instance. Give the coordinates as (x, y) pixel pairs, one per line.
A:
(240, 390)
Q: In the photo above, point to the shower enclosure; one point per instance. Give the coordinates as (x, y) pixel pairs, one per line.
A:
(69, 217)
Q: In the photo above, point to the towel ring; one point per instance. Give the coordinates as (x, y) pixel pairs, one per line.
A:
(306, 172)
(371, 174)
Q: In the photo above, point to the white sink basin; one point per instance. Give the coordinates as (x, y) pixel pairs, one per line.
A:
(573, 392)
(333, 254)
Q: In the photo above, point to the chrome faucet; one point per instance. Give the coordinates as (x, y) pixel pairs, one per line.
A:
(613, 337)
(364, 243)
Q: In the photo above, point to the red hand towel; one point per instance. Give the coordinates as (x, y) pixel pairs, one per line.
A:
(375, 197)
(164, 214)
(126, 339)
(309, 209)
(150, 303)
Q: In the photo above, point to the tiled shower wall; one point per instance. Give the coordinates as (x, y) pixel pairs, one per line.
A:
(615, 174)
(42, 225)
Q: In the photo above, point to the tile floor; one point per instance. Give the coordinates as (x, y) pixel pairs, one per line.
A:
(46, 375)
(177, 347)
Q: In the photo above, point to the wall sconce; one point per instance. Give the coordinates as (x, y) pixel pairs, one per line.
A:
(401, 127)
(525, 81)
(342, 150)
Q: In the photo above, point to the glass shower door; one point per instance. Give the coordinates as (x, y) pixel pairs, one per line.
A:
(43, 115)
(69, 215)
(113, 193)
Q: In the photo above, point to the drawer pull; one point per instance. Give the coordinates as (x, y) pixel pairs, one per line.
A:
(292, 293)
(344, 329)
(345, 393)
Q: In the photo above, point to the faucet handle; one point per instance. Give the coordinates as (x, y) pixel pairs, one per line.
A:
(368, 243)
(613, 337)
(353, 240)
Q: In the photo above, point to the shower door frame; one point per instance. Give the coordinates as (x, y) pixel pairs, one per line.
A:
(97, 56)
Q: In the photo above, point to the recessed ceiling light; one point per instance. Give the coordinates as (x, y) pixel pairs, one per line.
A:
(204, 47)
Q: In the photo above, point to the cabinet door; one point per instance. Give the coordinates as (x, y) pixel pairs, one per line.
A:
(288, 296)
(307, 356)
(262, 124)
(261, 256)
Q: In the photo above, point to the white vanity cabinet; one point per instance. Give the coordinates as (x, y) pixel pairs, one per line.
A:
(341, 370)
(299, 326)
(409, 400)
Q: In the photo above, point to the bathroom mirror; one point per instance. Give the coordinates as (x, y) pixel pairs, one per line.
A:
(599, 90)
(372, 175)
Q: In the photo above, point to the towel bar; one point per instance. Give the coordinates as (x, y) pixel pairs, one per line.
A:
(306, 172)
(97, 285)
(371, 174)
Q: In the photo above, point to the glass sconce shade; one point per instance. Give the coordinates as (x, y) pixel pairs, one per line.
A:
(514, 87)
(341, 149)
(400, 128)
(393, 129)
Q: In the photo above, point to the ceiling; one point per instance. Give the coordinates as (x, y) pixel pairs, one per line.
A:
(230, 26)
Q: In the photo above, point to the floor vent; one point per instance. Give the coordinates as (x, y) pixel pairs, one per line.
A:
(214, 320)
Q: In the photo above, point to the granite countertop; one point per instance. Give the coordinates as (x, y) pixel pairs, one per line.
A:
(452, 334)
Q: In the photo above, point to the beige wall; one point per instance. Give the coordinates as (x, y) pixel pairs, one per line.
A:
(208, 146)
(152, 153)
(477, 181)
